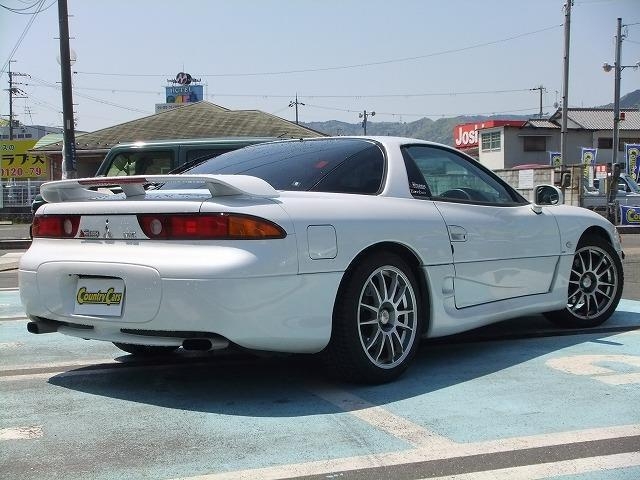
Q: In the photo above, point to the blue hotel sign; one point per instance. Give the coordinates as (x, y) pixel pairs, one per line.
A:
(184, 93)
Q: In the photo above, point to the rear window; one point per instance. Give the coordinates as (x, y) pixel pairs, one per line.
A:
(332, 165)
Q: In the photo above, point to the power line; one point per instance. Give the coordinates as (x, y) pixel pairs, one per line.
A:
(23, 11)
(268, 95)
(421, 115)
(24, 33)
(340, 67)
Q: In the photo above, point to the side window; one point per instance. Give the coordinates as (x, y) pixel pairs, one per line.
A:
(140, 163)
(451, 177)
(361, 173)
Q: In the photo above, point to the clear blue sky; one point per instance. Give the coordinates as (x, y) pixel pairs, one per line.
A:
(395, 51)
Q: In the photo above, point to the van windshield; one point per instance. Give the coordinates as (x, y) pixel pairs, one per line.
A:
(635, 188)
(140, 163)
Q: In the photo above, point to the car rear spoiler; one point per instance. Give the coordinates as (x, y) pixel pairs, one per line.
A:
(133, 186)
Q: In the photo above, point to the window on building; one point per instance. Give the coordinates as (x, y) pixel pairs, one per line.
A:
(535, 144)
(605, 143)
(490, 141)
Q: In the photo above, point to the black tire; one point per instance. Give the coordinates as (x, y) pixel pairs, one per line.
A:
(375, 335)
(595, 285)
(145, 350)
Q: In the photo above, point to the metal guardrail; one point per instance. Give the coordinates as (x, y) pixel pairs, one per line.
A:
(16, 198)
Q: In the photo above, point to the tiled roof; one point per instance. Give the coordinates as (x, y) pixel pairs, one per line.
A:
(196, 120)
(599, 118)
(541, 123)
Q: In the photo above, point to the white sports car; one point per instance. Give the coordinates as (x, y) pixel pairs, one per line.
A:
(352, 247)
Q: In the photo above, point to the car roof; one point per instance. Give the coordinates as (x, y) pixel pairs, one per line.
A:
(193, 141)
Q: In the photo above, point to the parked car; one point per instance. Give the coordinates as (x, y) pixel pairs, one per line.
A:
(163, 156)
(352, 248)
(628, 193)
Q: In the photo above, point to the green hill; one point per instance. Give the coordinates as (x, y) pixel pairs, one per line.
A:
(440, 130)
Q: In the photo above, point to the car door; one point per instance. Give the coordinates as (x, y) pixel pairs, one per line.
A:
(501, 248)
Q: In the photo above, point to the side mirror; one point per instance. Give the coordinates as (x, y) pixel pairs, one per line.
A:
(548, 195)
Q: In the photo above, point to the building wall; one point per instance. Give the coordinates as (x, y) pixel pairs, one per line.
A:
(493, 159)
(605, 155)
(512, 153)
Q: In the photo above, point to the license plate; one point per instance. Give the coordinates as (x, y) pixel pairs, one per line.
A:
(99, 296)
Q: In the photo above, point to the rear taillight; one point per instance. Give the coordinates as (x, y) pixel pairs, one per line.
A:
(214, 226)
(55, 226)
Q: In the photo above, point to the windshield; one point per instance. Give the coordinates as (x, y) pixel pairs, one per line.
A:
(329, 165)
(635, 188)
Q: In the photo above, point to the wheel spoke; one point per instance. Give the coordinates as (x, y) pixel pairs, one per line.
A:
(393, 288)
(391, 347)
(374, 287)
(370, 307)
(385, 292)
(373, 321)
(397, 337)
(381, 348)
(603, 293)
(374, 340)
(602, 261)
(400, 296)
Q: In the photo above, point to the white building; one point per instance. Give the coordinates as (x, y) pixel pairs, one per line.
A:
(28, 132)
(508, 146)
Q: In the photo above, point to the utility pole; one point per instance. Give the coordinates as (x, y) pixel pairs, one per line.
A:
(13, 91)
(364, 116)
(616, 98)
(542, 89)
(296, 103)
(69, 169)
(565, 85)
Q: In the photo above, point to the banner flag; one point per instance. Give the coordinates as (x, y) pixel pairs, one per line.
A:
(588, 161)
(555, 159)
(633, 165)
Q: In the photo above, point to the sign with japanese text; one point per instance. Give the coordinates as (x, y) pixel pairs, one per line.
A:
(18, 164)
(588, 161)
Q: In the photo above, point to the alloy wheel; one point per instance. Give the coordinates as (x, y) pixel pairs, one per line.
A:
(387, 317)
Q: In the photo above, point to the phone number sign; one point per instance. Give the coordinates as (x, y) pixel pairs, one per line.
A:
(17, 163)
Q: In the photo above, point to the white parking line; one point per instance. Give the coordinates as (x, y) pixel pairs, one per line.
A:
(546, 470)
(381, 418)
(426, 454)
(21, 433)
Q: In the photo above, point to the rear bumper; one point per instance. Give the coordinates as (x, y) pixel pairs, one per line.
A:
(290, 313)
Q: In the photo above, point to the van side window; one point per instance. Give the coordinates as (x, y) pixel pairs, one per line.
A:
(202, 153)
(140, 163)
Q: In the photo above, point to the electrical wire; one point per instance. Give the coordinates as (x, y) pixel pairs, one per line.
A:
(22, 11)
(429, 115)
(19, 42)
(341, 67)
